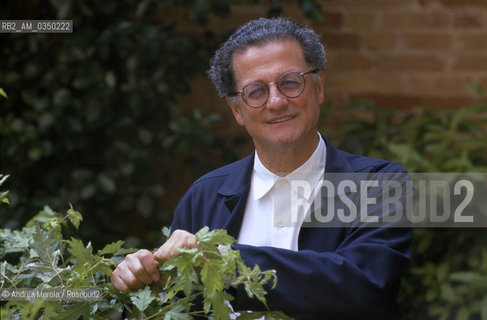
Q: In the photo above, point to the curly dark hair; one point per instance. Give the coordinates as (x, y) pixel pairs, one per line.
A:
(259, 33)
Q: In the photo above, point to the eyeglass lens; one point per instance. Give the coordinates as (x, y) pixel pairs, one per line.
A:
(290, 84)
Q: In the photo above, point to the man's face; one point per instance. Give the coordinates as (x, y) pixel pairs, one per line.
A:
(281, 122)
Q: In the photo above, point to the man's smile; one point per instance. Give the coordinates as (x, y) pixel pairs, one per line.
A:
(281, 119)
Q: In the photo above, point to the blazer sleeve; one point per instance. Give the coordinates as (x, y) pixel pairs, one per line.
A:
(359, 280)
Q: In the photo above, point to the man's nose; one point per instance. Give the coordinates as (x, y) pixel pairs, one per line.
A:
(276, 99)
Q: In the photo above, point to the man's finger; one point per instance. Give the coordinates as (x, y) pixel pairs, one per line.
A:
(149, 263)
(137, 268)
(178, 239)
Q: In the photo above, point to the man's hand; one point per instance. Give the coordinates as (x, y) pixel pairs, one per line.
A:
(178, 239)
(136, 271)
(141, 268)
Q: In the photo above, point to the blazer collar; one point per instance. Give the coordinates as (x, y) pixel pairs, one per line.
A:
(238, 179)
(336, 160)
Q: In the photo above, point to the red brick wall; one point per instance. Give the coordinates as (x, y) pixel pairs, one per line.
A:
(400, 53)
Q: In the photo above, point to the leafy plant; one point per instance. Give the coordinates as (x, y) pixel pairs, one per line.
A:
(38, 257)
(420, 140)
(206, 272)
(447, 277)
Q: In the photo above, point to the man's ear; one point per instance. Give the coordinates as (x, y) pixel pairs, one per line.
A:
(235, 110)
(321, 86)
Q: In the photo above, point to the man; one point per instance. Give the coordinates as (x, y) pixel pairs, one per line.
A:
(271, 73)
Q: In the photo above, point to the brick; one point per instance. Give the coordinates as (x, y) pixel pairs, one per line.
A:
(469, 20)
(348, 61)
(360, 20)
(240, 15)
(331, 20)
(482, 82)
(416, 19)
(394, 101)
(471, 41)
(375, 3)
(379, 41)
(427, 41)
(408, 102)
(337, 99)
(458, 3)
(410, 63)
(471, 63)
(341, 40)
(444, 83)
(353, 82)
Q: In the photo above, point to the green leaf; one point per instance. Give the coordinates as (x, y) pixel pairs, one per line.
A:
(212, 277)
(249, 315)
(34, 309)
(476, 89)
(214, 237)
(142, 298)
(469, 277)
(80, 309)
(272, 315)
(3, 197)
(463, 314)
(220, 305)
(15, 240)
(85, 260)
(111, 248)
(42, 246)
(255, 289)
(166, 232)
(177, 313)
(44, 271)
(3, 93)
(53, 226)
(448, 294)
(276, 315)
(3, 178)
(51, 309)
(483, 309)
(184, 261)
(74, 216)
(45, 214)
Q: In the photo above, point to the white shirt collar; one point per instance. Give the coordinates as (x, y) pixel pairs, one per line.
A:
(262, 179)
(312, 171)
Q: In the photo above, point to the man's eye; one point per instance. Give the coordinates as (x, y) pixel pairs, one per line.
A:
(255, 93)
(290, 83)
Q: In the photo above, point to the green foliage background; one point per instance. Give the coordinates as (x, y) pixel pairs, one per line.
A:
(38, 256)
(447, 276)
(92, 119)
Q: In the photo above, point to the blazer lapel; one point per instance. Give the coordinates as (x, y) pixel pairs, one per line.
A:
(235, 190)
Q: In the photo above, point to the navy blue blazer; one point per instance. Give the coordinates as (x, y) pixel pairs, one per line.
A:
(337, 273)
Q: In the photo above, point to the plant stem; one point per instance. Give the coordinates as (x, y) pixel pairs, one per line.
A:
(21, 269)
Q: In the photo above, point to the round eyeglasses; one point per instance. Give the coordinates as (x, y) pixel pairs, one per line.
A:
(291, 84)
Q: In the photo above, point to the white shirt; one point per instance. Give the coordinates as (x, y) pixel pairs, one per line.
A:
(265, 222)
